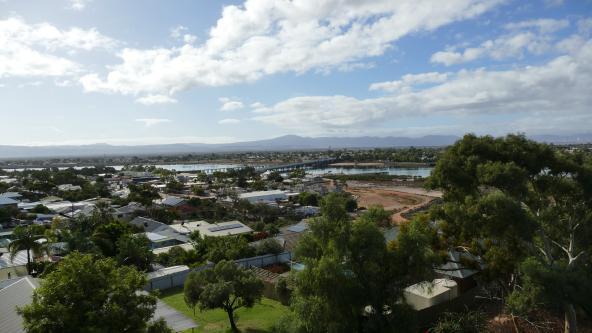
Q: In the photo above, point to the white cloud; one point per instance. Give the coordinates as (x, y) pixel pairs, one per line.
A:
(265, 37)
(553, 3)
(410, 80)
(178, 33)
(543, 25)
(228, 121)
(533, 36)
(31, 49)
(156, 99)
(78, 4)
(559, 88)
(230, 105)
(257, 105)
(189, 38)
(149, 122)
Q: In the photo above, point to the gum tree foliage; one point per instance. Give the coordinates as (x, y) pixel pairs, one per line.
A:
(352, 282)
(526, 209)
(216, 249)
(86, 294)
(105, 236)
(378, 215)
(226, 286)
(134, 250)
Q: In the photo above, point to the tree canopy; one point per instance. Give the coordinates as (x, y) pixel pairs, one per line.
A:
(352, 282)
(226, 286)
(85, 294)
(526, 210)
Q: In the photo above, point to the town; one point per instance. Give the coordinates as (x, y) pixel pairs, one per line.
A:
(270, 235)
(296, 166)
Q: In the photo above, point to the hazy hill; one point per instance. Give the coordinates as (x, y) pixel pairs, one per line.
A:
(288, 142)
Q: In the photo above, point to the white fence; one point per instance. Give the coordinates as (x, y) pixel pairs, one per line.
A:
(177, 279)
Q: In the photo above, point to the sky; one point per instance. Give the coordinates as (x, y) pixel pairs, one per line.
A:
(177, 71)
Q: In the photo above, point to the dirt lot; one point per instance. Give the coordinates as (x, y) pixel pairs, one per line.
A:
(394, 198)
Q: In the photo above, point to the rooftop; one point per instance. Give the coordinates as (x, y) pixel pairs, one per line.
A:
(215, 229)
(18, 293)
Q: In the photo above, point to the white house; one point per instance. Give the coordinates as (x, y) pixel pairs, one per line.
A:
(263, 196)
(229, 228)
(425, 294)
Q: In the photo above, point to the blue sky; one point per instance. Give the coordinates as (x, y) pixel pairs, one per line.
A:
(155, 71)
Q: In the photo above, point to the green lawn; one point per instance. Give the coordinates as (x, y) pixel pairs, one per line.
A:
(258, 319)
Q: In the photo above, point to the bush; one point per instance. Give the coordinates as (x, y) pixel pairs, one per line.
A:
(269, 246)
(467, 322)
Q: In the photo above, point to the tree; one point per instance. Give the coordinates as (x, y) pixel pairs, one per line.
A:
(378, 216)
(226, 286)
(526, 209)
(275, 177)
(40, 209)
(134, 250)
(298, 173)
(105, 236)
(217, 249)
(85, 294)
(143, 194)
(308, 199)
(269, 246)
(27, 239)
(351, 282)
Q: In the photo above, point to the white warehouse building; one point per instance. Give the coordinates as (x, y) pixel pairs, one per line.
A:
(263, 196)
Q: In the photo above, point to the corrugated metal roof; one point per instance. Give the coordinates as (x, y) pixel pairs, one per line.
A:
(19, 260)
(7, 201)
(17, 294)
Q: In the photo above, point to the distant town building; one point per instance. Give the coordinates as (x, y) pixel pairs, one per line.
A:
(263, 196)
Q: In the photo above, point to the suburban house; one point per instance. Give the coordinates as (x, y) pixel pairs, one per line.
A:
(128, 211)
(15, 267)
(172, 201)
(263, 196)
(455, 269)
(230, 228)
(6, 202)
(146, 224)
(69, 187)
(12, 195)
(425, 294)
(15, 293)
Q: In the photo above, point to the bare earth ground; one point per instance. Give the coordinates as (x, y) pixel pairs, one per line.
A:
(398, 199)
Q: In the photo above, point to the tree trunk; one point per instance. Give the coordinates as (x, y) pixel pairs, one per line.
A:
(231, 318)
(28, 261)
(570, 319)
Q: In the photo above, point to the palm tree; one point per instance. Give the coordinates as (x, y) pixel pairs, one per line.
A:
(26, 239)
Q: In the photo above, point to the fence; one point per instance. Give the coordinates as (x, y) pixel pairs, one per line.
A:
(177, 278)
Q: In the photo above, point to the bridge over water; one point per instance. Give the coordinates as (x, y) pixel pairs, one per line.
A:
(281, 167)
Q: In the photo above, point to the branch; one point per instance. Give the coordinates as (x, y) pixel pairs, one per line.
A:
(562, 247)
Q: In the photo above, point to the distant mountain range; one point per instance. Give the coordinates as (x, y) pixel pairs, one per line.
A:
(283, 143)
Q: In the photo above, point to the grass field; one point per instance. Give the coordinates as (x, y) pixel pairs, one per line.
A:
(258, 319)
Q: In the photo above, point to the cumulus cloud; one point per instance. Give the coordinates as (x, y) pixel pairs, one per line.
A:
(149, 122)
(179, 33)
(229, 121)
(78, 4)
(409, 80)
(533, 36)
(543, 25)
(559, 88)
(34, 49)
(230, 105)
(156, 99)
(265, 37)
